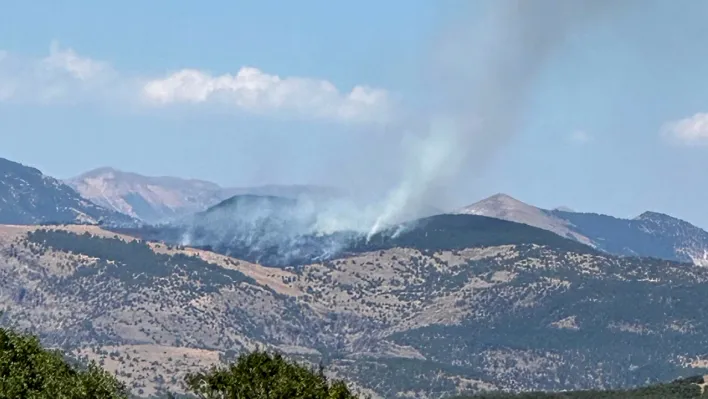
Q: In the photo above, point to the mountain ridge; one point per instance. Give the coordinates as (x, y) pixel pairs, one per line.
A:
(274, 231)
(505, 207)
(156, 199)
(649, 234)
(30, 197)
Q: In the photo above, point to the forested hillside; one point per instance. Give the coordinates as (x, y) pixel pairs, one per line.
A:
(495, 316)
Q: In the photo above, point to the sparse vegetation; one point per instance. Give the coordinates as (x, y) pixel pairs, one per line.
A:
(400, 320)
(687, 388)
(29, 371)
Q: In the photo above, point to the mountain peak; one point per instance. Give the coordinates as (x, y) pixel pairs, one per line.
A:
(148, 198)
(9, 165)
(656, 216)
(563, 208)
(98, 172)
(30, 197)
(504, 206)
(498, 205)
(155, 199)
(502, 197)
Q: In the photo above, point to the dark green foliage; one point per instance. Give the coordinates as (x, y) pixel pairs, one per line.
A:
(251, 202)
(135, 260)
(261, 375)
(680, 389)
(29, 371)
(447, 232)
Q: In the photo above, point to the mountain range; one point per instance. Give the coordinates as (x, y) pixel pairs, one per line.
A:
(27, 196)
(118, 198)
(460, 303)
(650, 234)
(499, 295)
(160, 199)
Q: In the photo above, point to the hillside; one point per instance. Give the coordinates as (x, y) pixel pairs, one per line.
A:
(255, 374)
(685, 388)
(502, 206)
(651, 234)
(154, 199)
(29, 197)
(398, 321)
(151, 199)
(279, 232)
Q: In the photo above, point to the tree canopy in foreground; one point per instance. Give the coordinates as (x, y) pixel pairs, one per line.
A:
(27, 370)
(261, 375)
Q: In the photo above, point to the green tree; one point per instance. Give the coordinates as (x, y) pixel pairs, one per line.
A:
(262, 375)
(29, 371)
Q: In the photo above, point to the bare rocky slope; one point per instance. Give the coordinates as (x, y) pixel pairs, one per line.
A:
(155, 199)
(649, 234)
(435, 313)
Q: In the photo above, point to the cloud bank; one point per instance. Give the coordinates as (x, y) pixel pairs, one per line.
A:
(691, 131)
(253, 90)
(65, 76)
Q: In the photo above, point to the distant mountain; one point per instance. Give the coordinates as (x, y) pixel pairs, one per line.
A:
(29, 197)
(454, 232)
(159, 199)
(502, 206)
(280, 232)
(651, 234)
(292, 191)
(269, 229)
(150, 199)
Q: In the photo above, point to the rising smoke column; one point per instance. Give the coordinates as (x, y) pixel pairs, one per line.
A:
(485, 72)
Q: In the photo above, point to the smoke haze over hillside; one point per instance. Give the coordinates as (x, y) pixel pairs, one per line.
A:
(484, 70)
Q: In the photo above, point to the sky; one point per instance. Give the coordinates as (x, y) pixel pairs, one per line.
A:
(607, 113)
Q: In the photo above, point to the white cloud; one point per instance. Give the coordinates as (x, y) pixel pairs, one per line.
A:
(579, 137)
(65, 76)
(255, 91)
(66, 60)
(688, 131)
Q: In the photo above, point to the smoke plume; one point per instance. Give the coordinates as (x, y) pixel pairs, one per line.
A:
(484, 73)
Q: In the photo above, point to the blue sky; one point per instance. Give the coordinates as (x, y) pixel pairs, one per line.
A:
(612, 122)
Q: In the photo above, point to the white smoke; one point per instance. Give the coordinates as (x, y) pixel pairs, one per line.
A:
(485, 74)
